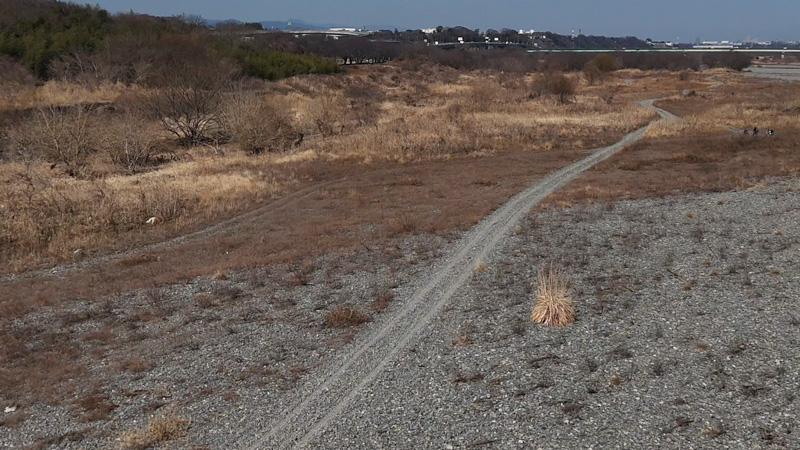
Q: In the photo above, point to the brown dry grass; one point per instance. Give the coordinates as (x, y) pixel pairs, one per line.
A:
(47, 217)
(59, 93)
(700, 152)
(552, 305)
(159, 429)
(344, 316)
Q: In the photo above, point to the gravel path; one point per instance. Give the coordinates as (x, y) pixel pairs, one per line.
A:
(350, 377)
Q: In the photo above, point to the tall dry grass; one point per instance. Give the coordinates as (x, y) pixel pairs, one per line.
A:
(136, 172)
(47, 218)
(59, 93)
(738, 103)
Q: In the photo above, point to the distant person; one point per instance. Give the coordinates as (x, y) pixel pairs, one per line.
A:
(770, 132)
(755, 131)
(746, 131)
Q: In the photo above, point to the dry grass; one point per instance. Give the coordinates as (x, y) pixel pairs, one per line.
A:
(552, 305)
(60, 93)
(344, 317)
(159, 429)
(700, 152)
(372, 116)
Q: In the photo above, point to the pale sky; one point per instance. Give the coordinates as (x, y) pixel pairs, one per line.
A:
(662, 20)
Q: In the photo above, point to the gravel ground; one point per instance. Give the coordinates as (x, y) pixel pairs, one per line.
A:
(686, 337)
(201, 350)
(775, 72)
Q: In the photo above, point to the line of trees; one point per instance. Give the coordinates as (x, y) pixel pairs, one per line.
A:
(66, 40)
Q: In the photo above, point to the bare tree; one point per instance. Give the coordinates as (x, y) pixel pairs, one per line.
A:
(189, 98)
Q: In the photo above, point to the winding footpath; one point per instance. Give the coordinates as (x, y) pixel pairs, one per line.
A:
(303, 422)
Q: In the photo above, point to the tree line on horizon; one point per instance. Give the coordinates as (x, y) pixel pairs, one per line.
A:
(61, 39)
(54, 39)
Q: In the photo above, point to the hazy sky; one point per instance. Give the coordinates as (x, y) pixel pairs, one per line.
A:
(666, 19)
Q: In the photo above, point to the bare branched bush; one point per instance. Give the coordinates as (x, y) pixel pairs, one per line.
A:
(13, 76)
(131, 143)
(607, 62)
(259, 124)
(162, 202)
(592, 73)
(327, 114)
(559, 85)
(552, 305)
(189, 101)
(364, 100)
(61, 136)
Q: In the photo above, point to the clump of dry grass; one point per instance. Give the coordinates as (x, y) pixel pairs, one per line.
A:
(159, 429)
(344, 316)
(552, 305)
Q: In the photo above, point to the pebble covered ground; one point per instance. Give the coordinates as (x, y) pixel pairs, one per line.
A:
(686, 337)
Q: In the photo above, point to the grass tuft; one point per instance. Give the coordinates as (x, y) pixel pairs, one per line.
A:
(552, 305)
(344, 316)
(159, 429)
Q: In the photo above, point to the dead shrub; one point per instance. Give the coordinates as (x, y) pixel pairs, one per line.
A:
(606, 62)
(365, 100)
(189, 99)
(261, 125)
(13, 75)
(382, 300)
(592, 73)
(630, 165)
(559, 85)
(162, 202)
(131, 142)
(552, 305)
(327, 113)
(345, 316)
(159, 429)
(61, 136)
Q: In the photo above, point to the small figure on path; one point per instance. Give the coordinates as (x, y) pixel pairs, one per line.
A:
(746, 131)
(770, 132)
(755, 131)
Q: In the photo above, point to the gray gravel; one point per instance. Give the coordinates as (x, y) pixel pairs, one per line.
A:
(789, 73)
(686, 337)
(341, 382)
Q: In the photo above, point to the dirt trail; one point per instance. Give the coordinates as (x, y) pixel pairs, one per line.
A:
(303, 422)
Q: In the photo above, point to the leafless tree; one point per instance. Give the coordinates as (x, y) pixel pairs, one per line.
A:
(189, 99)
